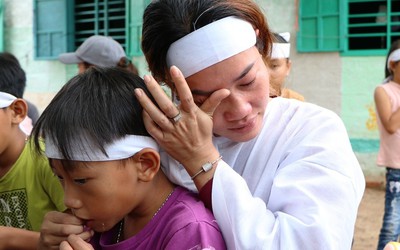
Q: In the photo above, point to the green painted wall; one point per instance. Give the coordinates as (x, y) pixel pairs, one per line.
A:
(360, 76)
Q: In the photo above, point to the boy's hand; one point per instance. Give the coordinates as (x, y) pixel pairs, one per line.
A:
(75, 242)
(56, 228)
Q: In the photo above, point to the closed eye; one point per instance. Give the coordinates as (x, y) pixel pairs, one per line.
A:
(249, 83)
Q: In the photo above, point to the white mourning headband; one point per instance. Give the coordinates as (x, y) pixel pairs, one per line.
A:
(119, 149)
(211, 44)
(6, 99)
(281, 50)
(393, 57)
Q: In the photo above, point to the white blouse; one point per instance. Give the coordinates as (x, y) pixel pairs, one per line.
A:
(297, 185)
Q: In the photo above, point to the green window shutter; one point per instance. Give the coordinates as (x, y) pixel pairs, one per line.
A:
(100, 17)
(51, 33)
(1, 26)
(320, 26)
(134, 14)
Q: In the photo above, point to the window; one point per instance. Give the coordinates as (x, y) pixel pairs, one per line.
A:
(62, 25)
(354, 27)
(320, 26)
(373, 25)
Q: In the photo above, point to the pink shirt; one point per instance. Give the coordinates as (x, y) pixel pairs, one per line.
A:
(389, 150)
(182, 223)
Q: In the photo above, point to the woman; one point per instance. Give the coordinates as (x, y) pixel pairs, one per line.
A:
(288, 178)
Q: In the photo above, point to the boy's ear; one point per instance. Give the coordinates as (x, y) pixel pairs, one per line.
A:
(19, 110)
(147, 163)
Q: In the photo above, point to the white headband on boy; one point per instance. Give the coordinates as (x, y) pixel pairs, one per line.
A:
(393, 57)
(281, 50)
(211, 44)
(119, 149)
(6, 99)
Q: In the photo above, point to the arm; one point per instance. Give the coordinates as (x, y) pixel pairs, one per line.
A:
(16, 238)
(390, 121)
(313, 198)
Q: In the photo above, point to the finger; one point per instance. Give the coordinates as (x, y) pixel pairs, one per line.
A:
(184, 92)
(60, 224)
(63, 218)
(77, 243)
(151, 127)
(214, 100)
(154, 113)
(65, 246)
(86, 236)
(50, 241)
(162, 99)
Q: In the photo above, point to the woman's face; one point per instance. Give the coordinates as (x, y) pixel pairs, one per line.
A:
(278, 71)
(239, 117)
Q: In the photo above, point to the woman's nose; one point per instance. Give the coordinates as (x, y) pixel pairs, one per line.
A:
(236, 107)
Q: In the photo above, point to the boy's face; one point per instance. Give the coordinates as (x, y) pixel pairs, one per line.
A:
(100, 193)
(5, 128)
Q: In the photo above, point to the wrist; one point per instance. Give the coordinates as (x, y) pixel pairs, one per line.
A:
(206, 167)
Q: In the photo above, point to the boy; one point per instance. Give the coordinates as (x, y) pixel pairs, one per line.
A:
(28, 188)
(109, 167)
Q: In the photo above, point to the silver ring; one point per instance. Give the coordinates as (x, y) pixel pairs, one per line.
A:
(176, 118)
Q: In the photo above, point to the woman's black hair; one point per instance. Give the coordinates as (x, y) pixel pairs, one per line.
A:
(98, 105)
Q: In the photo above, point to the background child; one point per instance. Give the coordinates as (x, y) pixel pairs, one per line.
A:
(28, 188)
(279, 65)
(387, 102)
(109, 167)
(101, 51)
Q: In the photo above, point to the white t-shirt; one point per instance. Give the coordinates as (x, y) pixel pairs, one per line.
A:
(297, 185)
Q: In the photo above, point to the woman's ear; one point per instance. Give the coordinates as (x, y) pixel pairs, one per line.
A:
(19, 110)
(148, 164)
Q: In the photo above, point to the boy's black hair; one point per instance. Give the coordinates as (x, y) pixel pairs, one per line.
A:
(99, 104)
(12, 76)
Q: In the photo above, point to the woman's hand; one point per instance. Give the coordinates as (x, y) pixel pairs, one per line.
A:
(57, 226)
(188, 140)
(75, 242)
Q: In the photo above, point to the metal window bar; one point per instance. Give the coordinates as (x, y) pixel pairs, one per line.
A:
(100, 17)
